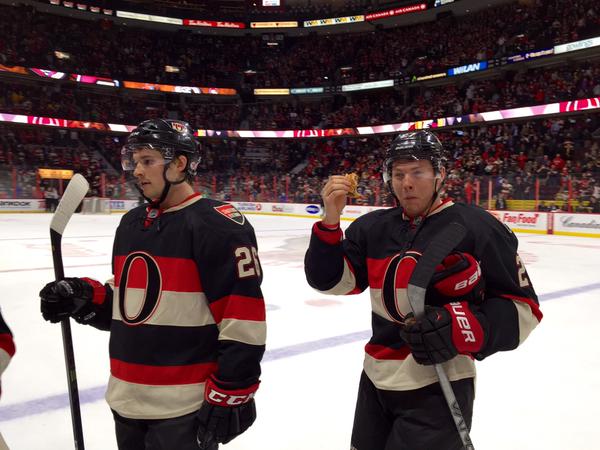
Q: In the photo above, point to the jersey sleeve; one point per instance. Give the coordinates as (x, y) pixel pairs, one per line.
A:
(231, 276)
(511, 306)
(103, 298)
(334, 264)
(102, 304)
(7, 345)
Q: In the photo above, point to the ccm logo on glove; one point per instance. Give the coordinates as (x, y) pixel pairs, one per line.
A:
(219, 398)
(216, 395)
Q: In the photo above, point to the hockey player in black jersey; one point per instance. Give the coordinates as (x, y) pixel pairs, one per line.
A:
(185, 310)
(480, 300)
(7, 350)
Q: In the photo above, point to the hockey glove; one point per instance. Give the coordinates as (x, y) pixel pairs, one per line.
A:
(444, 332)
(458, 277)
(225, 414)
(71, 297)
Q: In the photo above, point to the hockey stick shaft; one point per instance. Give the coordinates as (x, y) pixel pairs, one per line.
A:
(67, 339)
(457, 416)
(73, 195)
(437, 250)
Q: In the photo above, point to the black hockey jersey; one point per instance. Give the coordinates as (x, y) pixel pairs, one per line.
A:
(373, 255)
(187, 303)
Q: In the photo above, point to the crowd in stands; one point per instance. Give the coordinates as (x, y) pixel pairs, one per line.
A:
(23, 150)
(103, 48)
(512, 89)
(70, 101)
(555, 160)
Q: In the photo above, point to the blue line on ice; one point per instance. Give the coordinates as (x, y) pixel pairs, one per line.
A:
(90, 395)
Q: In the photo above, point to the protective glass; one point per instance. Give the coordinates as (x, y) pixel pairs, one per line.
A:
(131, 156)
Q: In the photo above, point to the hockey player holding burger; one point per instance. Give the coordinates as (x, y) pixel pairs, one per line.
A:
(480, 300)
(185, 310)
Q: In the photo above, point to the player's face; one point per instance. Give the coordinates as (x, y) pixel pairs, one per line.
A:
(149, 166)
(413, 183)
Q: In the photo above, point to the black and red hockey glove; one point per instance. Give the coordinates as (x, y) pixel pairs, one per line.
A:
(444, 332)
(226, 413)
(458, 277)
(72, 297)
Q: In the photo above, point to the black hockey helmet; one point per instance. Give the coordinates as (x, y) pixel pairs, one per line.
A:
(170, 137)
(415, 145)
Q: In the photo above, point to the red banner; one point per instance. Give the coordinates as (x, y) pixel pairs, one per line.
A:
(212, 24)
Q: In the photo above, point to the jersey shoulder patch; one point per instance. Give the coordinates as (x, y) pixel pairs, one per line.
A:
(230, 212)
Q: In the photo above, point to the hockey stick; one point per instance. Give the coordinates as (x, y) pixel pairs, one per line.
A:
(437, 250)
(76, 190)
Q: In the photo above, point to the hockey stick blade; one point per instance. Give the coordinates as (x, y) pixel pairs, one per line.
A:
(437, 250)
(75, 192)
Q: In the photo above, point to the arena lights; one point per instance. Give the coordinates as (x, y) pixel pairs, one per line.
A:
(310, 90)
(149, 18)
(62, 174)
(577, 45)
(333, 21)
(103, 81)
(13, 69)
(178, 89)
(285, 24)
(469, 119)
(439, 3)
(570, 106)
(432, 76)
(396, 12)
(275, 91)
(367, 85)
(468, 68)
(82, 7)
(212, 24)
(529, 55)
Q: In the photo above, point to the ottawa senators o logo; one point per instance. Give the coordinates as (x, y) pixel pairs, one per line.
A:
(131, 278)
(395, 283)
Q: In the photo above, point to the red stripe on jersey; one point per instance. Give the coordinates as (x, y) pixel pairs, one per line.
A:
(178, 274)
(383, 352)
(99, 291)
(328, 236)
(238, 307)
(376, 269)
(161, 375)
(535, 308)
(7, 344)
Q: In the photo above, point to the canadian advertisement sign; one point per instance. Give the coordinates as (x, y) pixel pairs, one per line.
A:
(577, 224)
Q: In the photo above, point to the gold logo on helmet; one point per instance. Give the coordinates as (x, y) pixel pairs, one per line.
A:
(178, 126)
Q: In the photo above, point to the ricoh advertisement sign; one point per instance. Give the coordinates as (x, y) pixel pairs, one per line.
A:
(577, 224)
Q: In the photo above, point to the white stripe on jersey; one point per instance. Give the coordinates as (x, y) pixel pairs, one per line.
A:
(527, 320)
(180, 309)
(138, 401)
(346, 284)
(407, 374)
(246, 331)
(4, 360)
